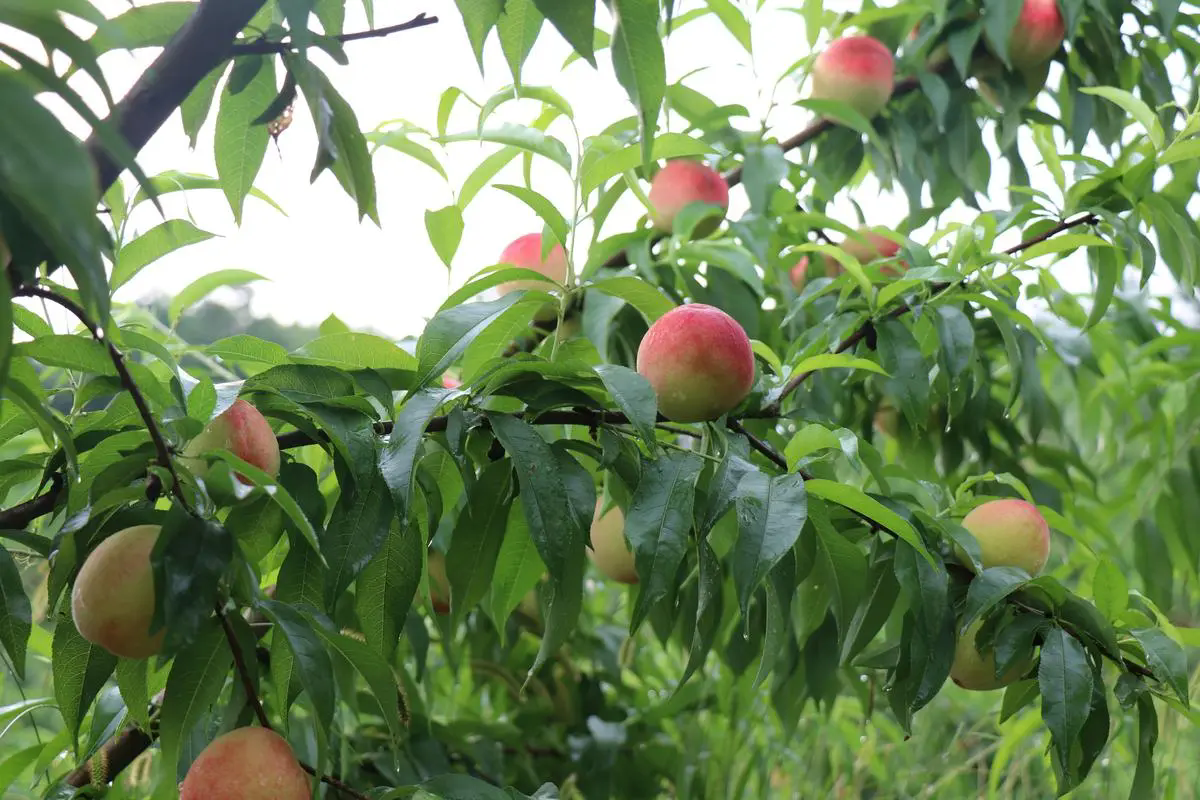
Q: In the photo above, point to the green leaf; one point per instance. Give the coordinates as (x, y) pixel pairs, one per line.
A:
(16, 614)
(708, 610)
(301, 580)
(376, 673)
(1147, 738)
(385, 589)
(144, 26)
(189, 558)
(205, 285)
(837, 361)
(355, 351)
(81, 353)
(478, 537)
(1110, 589)
(845, 568)
(194, 110)
(989, 588)
(450, 331)
(133, 683)
(657, 524)
(276, 491)
(341, 146)
(904, 362)
(518, 568)
(1166, 660)
(197, 677)
(48, 178)
(878, 605)
(771, 511)
(1135, 108)
(1065, 682)
(486, 170)
(240, 145)
(398, 458)
(356, 532)
(1108, 272)
(956, 337)
(16, 764)
(639, 63)
(574, 19)
(312, 663)
(479, 17)
(733, 21)
(400, 141)
(445, 229)
(80, 670)
(857, 501)
(635, 291)
(521, 137)
(518, 29)
(667, 145)
(244, 347)
(634, 395)
(545, 210)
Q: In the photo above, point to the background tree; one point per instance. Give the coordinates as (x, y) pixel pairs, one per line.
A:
(846, 463)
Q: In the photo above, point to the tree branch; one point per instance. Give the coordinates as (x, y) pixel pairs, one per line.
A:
(19, 516)
(243, 672)
(199, 47)
(162, 450)
(266, 47)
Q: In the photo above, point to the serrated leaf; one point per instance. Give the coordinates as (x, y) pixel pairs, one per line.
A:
(521, 137)
(1135, 108)
(518, 568)
(1166, 660)
(837, 361)
(1065, 682)
(1110, 589)
(445, 229)
(205, 285)
(240, 145)
(196, 680)
(771, 511)
(478, 537)
(479, 17)
(657, 523)
(387, 585)
(312, 663)
(639, 63)
(398, 458)
(133, 683)
(575, 20)
(189, 559)
(854, 499)
(400, 142)
(164, 238)
(597, 171)
(80, 670)
(16, 613)
(376, 673)
(349, 350)
(989, 588)
(651, 302)
(541, 206)
(450, 332)
(634, 395)
(244, 347)
(518, 28)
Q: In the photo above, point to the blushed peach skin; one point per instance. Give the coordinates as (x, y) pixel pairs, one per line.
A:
(856, 70)
(246, 764)
(112, 602)
(242, 430)
(679, 184)
(1011, 533)
(699, 361)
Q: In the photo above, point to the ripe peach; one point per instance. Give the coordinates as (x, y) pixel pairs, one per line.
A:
(450, 382)
(856, 70)
(439, 583)
(799, 272)
(609, 551)
(246, 764)
(699, 361)
(970, 670)
(243, 431)
(526, 251)
(1039, 33)
(679, 184)
(112, 602)
(1011, 533)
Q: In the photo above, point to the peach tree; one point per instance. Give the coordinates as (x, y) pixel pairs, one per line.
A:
(711, 486)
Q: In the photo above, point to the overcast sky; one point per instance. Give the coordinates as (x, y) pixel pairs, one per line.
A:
(319, 259)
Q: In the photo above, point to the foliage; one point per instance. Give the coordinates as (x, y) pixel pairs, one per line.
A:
(799, 592)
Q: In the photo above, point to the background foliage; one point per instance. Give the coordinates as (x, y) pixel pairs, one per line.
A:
(796, 614)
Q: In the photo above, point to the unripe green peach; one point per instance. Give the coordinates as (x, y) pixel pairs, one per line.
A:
(112, 602)
(246, 764)
(439, 583)
(1011, 533)
(856, 70)
(609, 551)
(970, 670)
(679, 184)
(699, 361)
(241, 430)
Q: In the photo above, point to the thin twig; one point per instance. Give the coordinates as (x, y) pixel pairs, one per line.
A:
(335, 783)
(265, 47)
(243, 671)
(19, 516)
(758, 444)
(161, 448)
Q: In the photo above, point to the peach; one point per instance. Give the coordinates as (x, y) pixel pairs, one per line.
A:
(439, 583)
(699, 361)
(938, 56)
(1039, 33)
(799, 272)
(450, 382)
(246, 764)
(112, 602)
(679, 184)
(526, 251)
(1011, 533)
(971, 670)
(609, 551)
(887, 419)
(856, 70)
(243, 431)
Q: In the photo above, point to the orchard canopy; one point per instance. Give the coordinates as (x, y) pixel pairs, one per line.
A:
(812, 412)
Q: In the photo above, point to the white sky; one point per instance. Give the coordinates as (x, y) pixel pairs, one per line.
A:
(320, 260)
